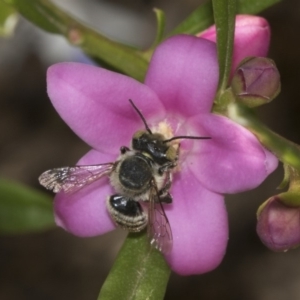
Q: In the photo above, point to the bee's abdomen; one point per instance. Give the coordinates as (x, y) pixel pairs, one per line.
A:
(135, 173)
(127, 213)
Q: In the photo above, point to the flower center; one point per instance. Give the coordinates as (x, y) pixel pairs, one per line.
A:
(163, 128)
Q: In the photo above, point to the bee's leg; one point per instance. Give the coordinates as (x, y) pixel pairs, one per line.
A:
(124, 149)
(127, 213)
(164, 194)
(166, 167)
(167, 198)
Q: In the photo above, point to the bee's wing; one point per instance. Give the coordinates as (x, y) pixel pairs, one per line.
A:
(159, 229)
(72, 179)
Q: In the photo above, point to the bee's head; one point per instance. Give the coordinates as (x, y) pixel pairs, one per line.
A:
(154, 145)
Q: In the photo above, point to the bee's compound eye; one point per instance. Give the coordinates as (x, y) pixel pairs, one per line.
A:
(171, 153)
(127, 213)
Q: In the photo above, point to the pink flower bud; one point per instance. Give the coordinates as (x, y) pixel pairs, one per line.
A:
(279, 225)
(251, 37)
(256, 81)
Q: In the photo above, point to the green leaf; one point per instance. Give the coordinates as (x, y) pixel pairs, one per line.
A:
(202, 17)
(8, 19)
(140, 272)
(197, 21)
(161, 22)
(23, 210)
(224, 14)
(254, 6)
(51, 18)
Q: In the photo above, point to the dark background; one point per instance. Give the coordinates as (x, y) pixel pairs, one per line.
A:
(56, 265)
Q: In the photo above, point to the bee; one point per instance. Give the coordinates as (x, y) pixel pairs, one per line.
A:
(142, 173)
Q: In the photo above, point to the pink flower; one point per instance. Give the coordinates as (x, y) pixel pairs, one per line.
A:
(179, 90)
(252, 38)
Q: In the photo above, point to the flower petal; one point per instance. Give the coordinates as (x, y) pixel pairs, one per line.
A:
(233, 160)
(94, 103)
(184, 73)
(84, 213)
(198, 220)
(252, 37)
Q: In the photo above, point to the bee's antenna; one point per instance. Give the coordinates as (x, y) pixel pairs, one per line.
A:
(140, 114)
(187, 137)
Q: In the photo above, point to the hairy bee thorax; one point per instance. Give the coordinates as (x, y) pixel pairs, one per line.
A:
(149, 158)
(133, 175)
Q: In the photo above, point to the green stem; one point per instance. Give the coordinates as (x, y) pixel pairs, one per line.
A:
(224, 15)
(286, 151)
(50, 17)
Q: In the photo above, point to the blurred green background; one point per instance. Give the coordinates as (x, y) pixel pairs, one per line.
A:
(56, 265)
